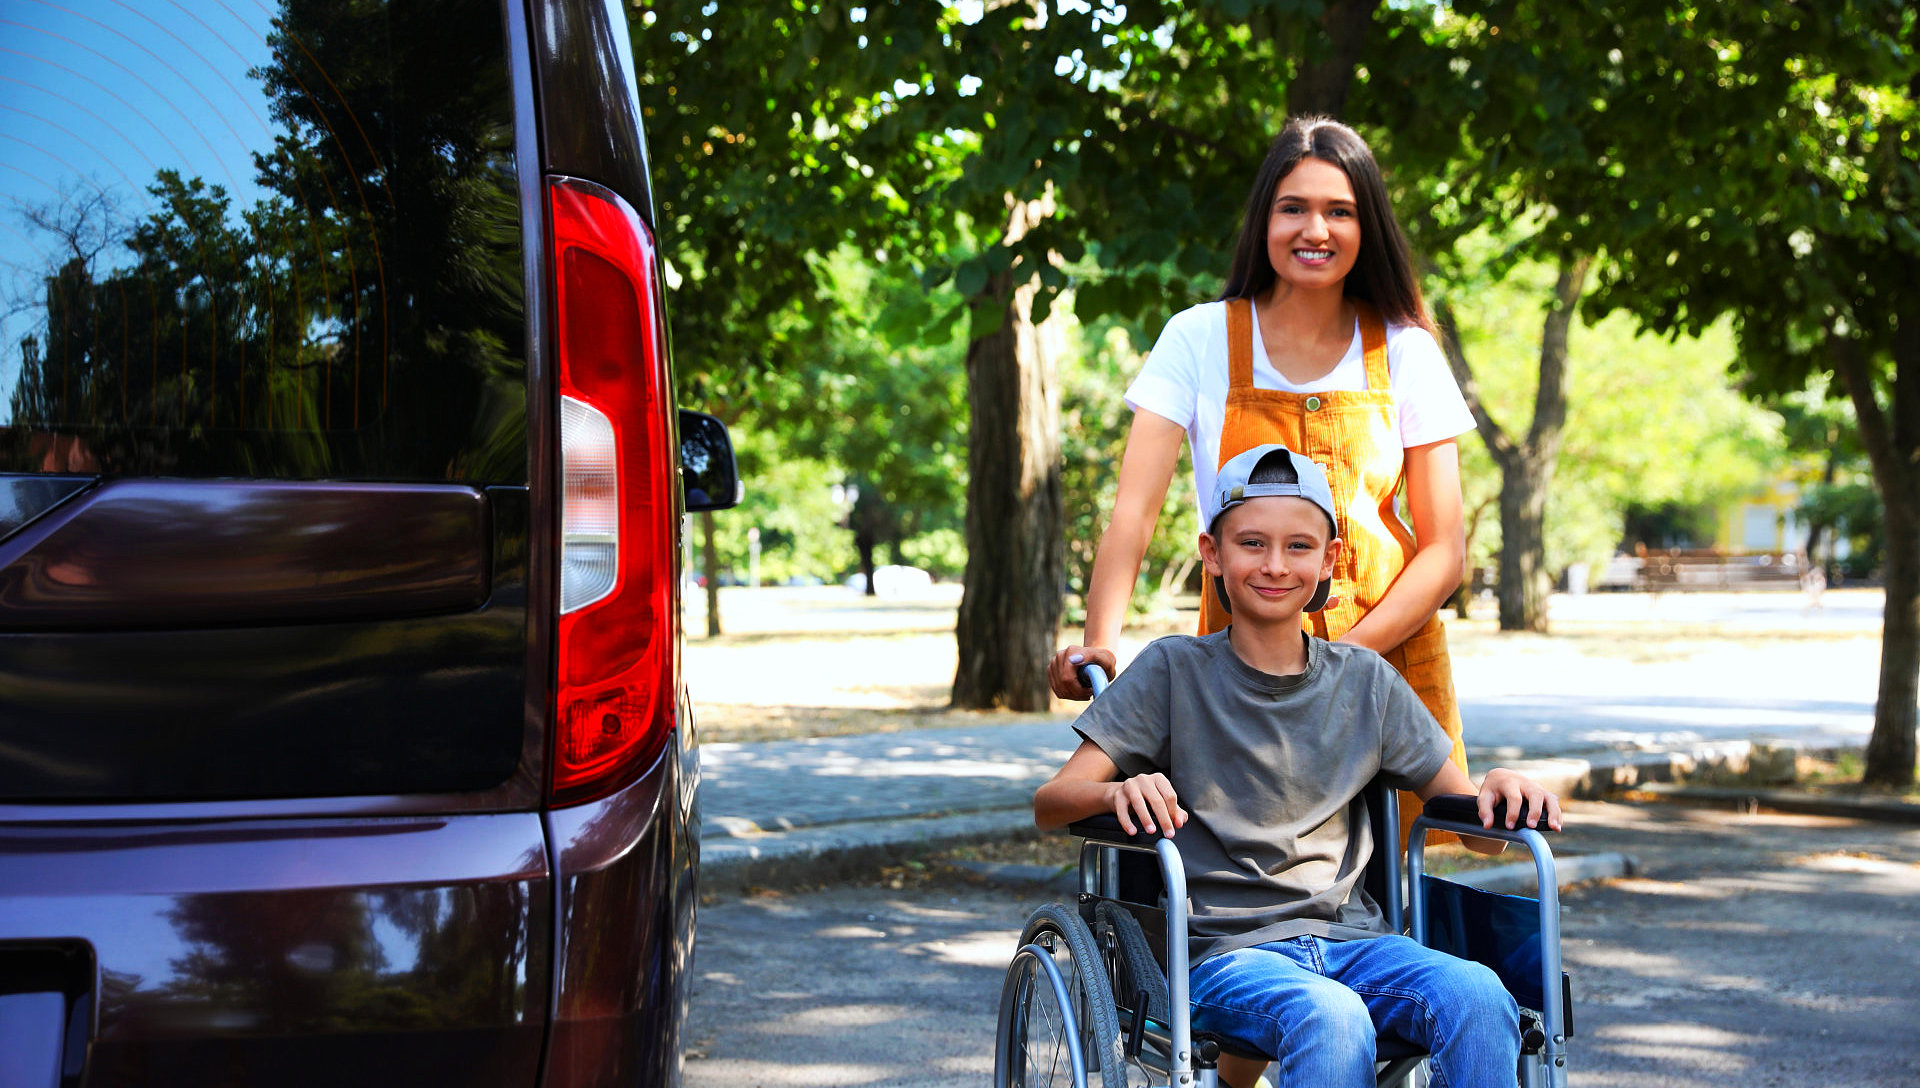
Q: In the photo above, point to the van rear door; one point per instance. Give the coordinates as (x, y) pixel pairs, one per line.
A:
(263, 418)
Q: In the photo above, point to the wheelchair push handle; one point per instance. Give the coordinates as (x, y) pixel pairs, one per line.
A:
(1094, 677)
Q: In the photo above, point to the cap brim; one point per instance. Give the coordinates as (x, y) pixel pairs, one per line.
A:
(1320, 594)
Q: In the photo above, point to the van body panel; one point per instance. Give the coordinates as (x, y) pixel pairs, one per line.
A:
(416, 704)
(624, 942)
(590, 124)
(304, 832)
(176, 554)
(297, 951)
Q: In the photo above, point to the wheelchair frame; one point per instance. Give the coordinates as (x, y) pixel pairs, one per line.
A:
(1189, 1066)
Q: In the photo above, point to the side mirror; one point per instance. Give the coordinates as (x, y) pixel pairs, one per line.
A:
(707, 472)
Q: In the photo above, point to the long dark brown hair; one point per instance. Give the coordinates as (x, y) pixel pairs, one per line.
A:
(1383, 272)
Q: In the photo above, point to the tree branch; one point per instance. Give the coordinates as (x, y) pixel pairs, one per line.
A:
(1550, 397)
(1498, 443)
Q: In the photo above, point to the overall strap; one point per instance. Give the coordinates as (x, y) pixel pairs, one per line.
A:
(1373, 342)
(1240, 343)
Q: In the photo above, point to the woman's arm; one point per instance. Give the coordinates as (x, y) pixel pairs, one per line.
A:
(1086, 786)
(1439, 558)
(1153, 451)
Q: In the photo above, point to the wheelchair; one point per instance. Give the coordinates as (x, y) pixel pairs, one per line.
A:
(1098, 988)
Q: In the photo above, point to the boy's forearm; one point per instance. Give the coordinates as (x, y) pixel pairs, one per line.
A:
(1062, 801)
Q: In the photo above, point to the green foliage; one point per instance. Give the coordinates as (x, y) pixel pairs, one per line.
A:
(790, 500)
(1649, 421)
(751, 179)
(1837, 495)
(862, 413)
(1094, 425)
(940, 552)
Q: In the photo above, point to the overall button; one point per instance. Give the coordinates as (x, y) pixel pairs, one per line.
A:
(1313, 404)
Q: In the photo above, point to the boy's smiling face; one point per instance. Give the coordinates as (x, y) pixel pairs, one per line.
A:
(1272, 552)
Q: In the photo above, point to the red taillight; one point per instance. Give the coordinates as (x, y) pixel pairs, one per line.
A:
(615, 700)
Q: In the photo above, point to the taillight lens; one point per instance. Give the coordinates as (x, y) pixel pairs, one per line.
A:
(618, 508)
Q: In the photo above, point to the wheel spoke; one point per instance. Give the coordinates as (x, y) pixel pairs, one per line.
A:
(1057, 1032)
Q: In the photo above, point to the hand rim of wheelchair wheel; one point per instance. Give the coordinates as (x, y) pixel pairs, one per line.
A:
(1058, 930)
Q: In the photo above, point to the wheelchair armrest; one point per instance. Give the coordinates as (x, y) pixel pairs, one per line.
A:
(1462, 808)
(1106, 828)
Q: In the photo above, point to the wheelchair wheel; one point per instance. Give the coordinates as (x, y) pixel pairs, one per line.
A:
(1033, 1049)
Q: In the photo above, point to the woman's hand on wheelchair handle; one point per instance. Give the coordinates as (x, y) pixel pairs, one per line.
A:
(1522, 795)
(1063, 672)
(1150, 797)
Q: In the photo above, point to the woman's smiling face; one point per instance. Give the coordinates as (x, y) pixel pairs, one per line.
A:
(1313, 229)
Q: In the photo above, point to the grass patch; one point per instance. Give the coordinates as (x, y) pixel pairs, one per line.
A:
(1841, 777)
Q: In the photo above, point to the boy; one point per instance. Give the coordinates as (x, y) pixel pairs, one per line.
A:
(1254, 744)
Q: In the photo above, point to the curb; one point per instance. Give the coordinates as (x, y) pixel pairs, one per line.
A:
(1604, 774)
(1884, 809)
(1519, 878)
(817, 855)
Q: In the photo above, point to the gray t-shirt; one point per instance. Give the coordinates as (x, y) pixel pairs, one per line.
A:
(1272, 772)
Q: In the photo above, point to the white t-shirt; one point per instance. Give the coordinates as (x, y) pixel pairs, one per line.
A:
(1185, 380)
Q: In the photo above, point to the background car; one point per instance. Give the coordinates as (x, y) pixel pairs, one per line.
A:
(342, 737)
(892, 581)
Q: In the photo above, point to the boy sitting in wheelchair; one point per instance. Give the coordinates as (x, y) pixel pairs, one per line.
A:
(1252, 744)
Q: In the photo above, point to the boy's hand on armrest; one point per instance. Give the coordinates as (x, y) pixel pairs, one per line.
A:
(1150, 799)
(1521, 794)
(1089, 785)
(1500, 785)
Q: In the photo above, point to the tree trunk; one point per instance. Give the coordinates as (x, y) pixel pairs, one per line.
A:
(1893, 448)
(710, 555)
(1016, 528)
(1526, 468)
(863, 543)
(1321, 85)
(1890, 751)
(1524, 581)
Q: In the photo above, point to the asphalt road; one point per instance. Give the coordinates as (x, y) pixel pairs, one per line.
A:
(1752, 950)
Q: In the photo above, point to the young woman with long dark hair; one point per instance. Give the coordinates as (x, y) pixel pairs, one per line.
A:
(1322, 343)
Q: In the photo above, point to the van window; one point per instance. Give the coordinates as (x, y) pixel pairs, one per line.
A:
(246, 238)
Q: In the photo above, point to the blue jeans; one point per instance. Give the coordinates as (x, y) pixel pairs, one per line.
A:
(1316, 1006)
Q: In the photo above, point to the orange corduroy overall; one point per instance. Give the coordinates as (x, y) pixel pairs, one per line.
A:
(1355, 436)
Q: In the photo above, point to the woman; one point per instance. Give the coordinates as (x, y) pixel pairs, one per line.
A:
(1322, 343)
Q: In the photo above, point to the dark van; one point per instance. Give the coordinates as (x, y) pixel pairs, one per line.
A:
(342, 734)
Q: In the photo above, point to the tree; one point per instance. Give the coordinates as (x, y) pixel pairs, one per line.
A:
(723, 94)
(1769, 173)
(1526, 466)
(1094, 425)
(988, 152)
(1648, 422)
(1122, 135)
(1837, 500)
(884, 399)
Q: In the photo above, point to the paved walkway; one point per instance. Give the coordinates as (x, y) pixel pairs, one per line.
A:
(775, 810)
